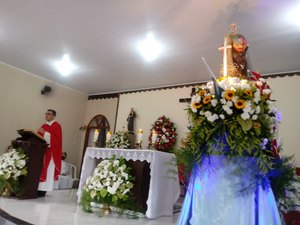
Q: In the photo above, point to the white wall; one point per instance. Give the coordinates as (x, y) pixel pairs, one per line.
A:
(152, 104)
(286, 91)
(22, 106)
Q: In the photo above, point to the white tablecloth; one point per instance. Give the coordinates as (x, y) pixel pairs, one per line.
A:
(164, 187)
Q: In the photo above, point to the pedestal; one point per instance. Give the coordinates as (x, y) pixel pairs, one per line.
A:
(224, 191)
(35, 150)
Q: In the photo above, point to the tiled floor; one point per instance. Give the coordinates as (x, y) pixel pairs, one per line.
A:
(60, 208)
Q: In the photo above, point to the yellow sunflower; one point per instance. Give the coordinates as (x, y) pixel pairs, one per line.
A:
(202, 92)
(229, 95)
(248, 92)
(256, 125)
(206, 99)
(197, 105)
(240, 104)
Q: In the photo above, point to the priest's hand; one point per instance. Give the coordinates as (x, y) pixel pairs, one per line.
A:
(41, 131)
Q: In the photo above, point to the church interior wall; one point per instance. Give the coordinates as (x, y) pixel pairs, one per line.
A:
(152, 104)
(23, 106)
(286, 93)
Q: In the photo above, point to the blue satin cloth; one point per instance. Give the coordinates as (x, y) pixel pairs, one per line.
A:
(227, 191)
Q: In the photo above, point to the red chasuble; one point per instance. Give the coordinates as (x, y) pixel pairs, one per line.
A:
(54, 150)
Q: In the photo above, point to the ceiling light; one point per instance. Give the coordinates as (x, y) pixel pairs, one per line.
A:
(294, 15)
(65, 67)
(150, 48)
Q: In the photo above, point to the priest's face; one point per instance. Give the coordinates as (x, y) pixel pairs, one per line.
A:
(49, 116)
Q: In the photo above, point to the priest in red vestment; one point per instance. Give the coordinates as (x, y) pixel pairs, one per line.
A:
(52, 133)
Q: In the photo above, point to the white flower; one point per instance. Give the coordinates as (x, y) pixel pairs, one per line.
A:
(213, 117)
(247, 108)
(254, 117)
(259, 83)
(227, 109)
(223, 101)
(257, 110)
(196, 98)
(267, 91)
(245, 84)
(214, 102)
(245, 115)
(229, 103)
(210, 87)
(125, 175)
(222, 116)
(207, 113)
(116, 162)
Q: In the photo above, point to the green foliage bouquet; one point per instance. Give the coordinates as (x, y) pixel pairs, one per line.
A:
(119, 140)
(240, 115)
(110, 184)
(12, 167)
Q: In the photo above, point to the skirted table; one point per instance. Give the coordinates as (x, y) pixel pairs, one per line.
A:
(227, 191)
(163, 183)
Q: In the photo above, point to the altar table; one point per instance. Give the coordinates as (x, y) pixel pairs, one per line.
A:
(164, 187)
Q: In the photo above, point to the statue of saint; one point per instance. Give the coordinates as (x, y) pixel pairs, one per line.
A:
(130, 120)
(235, 55)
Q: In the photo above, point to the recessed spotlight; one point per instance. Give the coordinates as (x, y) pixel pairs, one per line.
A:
(65, 67)
(150, 48)
(294, 15)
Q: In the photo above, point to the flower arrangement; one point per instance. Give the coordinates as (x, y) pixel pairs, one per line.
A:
(165, 131)
(119, 140)
(12, 167)
(236, 117)
(236, 112)
(110, 184)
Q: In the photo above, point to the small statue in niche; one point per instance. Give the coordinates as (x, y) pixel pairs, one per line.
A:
(130, 121)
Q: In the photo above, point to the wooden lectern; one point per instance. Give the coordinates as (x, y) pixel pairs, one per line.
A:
(34, 147)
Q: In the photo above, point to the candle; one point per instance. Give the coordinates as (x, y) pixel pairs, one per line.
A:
(96, 135)
(225, 58)
(154, 136)
(140, 136)
(108, 135)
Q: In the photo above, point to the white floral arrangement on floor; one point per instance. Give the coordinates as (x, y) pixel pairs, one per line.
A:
(12, 167)
(110, 184)
(119, 140)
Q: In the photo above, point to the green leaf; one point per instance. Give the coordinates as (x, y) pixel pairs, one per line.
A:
(103, 193)
(245, 124)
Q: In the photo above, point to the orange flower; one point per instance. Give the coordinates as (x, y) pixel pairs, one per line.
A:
(197, 105)
(248, 92)
(202, 92)
(229, 95)
(256, 125)
(206, 99)
(240, 104)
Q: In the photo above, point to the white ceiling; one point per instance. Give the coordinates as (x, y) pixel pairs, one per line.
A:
(101, 36)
